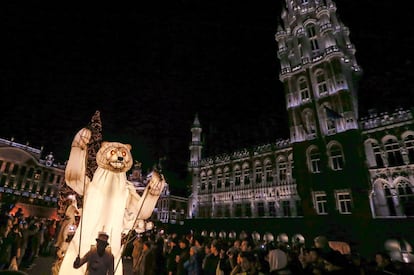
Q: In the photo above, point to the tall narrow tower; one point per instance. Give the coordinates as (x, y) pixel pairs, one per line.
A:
(320, 76)
(194, 166)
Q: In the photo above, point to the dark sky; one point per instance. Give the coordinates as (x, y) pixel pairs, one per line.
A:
(149, 70)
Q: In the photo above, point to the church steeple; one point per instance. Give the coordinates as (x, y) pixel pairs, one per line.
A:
(195, 148)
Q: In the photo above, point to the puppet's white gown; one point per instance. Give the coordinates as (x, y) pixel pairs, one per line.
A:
(104, 209)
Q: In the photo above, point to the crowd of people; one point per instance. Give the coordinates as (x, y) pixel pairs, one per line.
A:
(193, 254)
(22, 239)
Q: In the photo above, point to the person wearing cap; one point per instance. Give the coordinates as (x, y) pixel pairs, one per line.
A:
(99, 260)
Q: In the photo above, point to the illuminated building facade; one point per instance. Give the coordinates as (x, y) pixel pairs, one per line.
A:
(335, 168)
(170, 209)
(246, 183)
(27, 181)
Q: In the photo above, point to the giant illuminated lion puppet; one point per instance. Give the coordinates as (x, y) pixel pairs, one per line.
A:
(110, 201)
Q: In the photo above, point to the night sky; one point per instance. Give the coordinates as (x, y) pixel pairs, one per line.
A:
(149, 70)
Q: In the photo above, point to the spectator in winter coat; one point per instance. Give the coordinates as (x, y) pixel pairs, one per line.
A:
(146, 263)
(192, 264)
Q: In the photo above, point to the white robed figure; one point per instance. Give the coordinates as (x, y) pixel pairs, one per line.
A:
(111, 202)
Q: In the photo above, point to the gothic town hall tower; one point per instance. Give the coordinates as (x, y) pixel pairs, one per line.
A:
(320, 77)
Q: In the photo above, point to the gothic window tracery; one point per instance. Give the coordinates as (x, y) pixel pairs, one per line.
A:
(219, 176)
(282, 168)
(390, 201)
(210, 180)
(258, 173)
(406, 197)
(376, 148)
(246, 174)
(269, 171)
(226, 177)
(409, 147)
(290, 165)
(237, 175)
(203, 181)
(393, 152)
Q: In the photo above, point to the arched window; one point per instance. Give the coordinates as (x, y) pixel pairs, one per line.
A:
(290, 161)
(303, 89)
(409, 147)
(269, 171)
(393, 151)
(246, 174)
(226, 177)
(219, 176)
(322, 87)
(406, 197)
(390, 201)
(376, 148)
(237, 175)
(314, 160)
(373, 153)
(258, 172)
(203, 183)
(282, 168)
(210, 180)
(336, 159)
